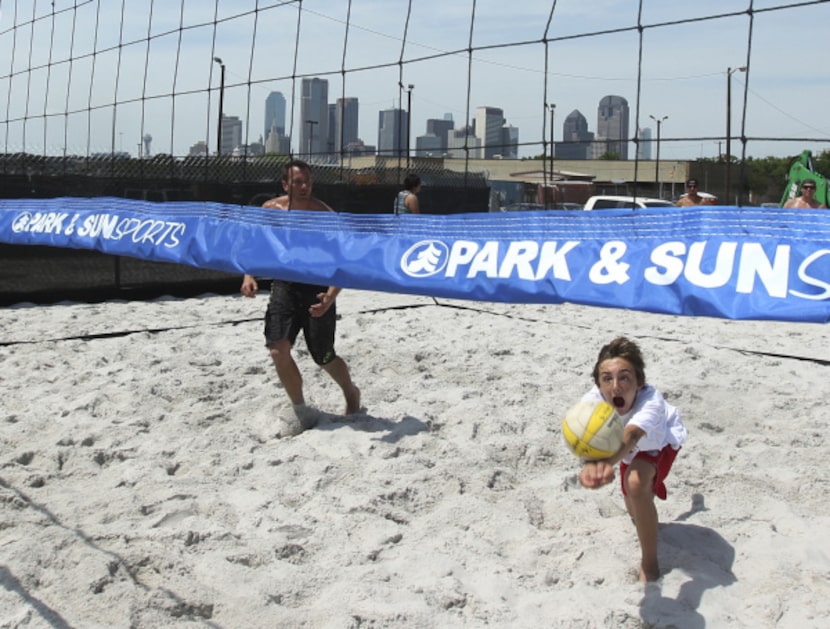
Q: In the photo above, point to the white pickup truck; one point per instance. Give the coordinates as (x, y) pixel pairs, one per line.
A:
(602, 202)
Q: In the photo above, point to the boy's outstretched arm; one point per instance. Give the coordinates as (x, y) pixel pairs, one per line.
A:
(595, 474)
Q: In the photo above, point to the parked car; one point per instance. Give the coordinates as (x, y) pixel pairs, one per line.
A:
(613, 202)
(522, 207)
(526, 207)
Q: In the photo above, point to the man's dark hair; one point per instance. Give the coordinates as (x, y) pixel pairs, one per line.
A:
(691, 182)
(411, 181)
(286, 170)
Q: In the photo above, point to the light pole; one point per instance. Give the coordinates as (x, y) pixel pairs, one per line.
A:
(221, 104)
(729, 73)
(409, 89)
(657, 181)
(311, 124)
(552, 150)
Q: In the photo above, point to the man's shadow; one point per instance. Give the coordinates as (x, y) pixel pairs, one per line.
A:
(700, 553)
(394, 430)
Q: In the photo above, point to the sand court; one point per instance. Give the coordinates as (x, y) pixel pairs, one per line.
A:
(148, 478)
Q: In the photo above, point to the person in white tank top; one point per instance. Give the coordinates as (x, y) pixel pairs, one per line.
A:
(407, 200)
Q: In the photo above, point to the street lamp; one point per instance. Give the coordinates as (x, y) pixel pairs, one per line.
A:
(221, 103)
(552, 151)
(729, 73)
(410, 87)
(311, 124)
(657, 181)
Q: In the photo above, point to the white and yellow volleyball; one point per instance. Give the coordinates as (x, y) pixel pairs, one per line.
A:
(592, 430)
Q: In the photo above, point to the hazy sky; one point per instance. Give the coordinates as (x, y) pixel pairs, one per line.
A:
(593, 50)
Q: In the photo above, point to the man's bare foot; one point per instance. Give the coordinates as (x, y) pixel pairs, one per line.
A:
(353, 401)
(650, 575)
(306, 415)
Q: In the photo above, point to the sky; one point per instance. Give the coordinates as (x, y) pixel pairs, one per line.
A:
(56, 95)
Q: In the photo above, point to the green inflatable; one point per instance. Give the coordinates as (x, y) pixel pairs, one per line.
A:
(801, 168)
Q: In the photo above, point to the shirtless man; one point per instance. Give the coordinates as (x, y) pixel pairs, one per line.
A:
(691, 197)
(294, 306)
(807, 200)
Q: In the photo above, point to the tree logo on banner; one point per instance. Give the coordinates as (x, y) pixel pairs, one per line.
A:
(425, 258)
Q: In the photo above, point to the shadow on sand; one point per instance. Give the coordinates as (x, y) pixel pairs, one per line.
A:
(701, 554)
(394, 430)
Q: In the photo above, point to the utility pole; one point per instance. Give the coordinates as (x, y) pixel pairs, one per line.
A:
(658, 183)
(727, 182)
(221, 104)
(552, 149)
(311, 124)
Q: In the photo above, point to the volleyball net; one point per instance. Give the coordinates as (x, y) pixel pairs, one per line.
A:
(197, 106)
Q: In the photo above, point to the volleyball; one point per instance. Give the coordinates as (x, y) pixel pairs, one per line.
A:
(592, 430)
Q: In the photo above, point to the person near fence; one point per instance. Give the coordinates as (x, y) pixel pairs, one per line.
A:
(691, 197)
(807, 200)
(407, 200)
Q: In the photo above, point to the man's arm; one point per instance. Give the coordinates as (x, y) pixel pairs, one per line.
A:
(411, 202)
(326, 300)
(317, 204)
(249, 286)
(277, 203)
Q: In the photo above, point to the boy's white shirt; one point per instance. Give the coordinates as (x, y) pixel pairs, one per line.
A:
(657, 418)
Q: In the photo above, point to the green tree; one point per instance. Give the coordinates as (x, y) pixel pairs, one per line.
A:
(766, 178)
(821, 163)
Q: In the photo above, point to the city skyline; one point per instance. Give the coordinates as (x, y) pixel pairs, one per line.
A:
(140, 72)
(441, 137)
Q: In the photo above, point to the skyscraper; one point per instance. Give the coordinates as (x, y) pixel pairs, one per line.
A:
(346, 127)
(231, 133)
(576, 139)
(441, 128)
(612, 125)
(314, 118)
(463, 143)
(392, 132)
(488, 128)
(644, 147)
(332, 129)
(509, 141)
(274, 114)
(434, 141)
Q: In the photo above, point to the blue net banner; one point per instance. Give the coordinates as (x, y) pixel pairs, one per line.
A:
(736, 263)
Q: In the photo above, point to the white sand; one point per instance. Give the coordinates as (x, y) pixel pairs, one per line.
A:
(142, 483)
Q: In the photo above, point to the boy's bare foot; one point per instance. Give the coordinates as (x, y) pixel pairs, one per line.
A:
(353, 401)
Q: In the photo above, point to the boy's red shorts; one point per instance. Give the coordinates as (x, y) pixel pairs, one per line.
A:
(662, 461)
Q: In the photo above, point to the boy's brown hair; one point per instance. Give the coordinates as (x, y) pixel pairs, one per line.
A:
(621, 347)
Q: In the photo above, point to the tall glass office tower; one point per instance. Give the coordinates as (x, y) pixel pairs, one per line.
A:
(612, 125)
